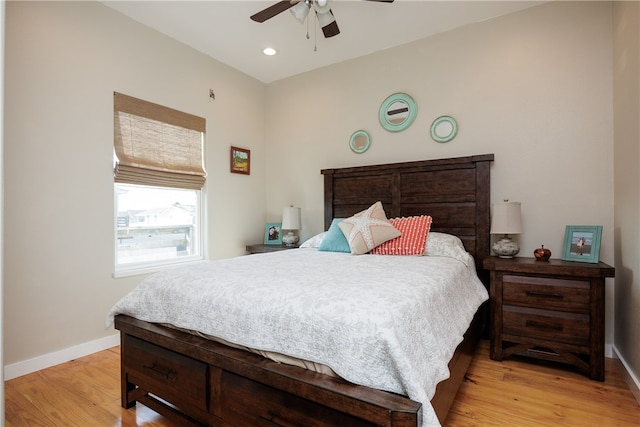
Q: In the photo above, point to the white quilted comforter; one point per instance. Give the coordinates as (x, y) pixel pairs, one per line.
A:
(386, 322)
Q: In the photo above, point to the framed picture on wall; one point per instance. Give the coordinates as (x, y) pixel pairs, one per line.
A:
(240, 160)
(582, 243)
(273, 233)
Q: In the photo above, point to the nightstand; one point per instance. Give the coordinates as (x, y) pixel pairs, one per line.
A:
(551, 310)
(261, 248)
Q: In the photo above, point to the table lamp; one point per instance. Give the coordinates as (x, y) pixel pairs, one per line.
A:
(506, 219)
(292, 223)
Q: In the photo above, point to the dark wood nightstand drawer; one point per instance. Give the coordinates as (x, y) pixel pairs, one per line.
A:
(275, 407)
(166, 374)
(570, 328)
(547, 293)
(552, 310)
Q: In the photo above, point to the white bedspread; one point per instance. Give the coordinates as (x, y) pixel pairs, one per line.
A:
(387, 322)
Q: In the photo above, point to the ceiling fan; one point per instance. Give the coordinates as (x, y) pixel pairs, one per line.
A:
(300, 9)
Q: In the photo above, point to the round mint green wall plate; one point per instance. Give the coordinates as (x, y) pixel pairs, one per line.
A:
(360, 141)
(397, 112)
(444, 129)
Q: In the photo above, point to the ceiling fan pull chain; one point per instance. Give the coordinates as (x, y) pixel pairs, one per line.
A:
(315, 33)
(308, 28)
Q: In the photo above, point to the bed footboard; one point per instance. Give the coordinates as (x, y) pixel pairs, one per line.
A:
(199, 382)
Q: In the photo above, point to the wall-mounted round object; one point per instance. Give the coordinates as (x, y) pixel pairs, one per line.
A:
(444, 129)
(397, 112)
(360, 141)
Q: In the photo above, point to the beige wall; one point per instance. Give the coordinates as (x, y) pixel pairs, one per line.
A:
(64, 60)
(534, 88)
(626, 66)
(2, 20)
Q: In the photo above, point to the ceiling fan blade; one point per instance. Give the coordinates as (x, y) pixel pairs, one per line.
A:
(331, 29)
(382, 1)
(326, 20)
(273, 10)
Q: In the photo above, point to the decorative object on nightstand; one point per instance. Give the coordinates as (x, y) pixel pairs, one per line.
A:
(273, 233)
(582, 243)
(292, 223)
(542, 253)
(550, 310)
(506, 219)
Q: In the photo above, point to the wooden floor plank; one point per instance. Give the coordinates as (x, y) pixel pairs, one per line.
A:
(515, 392)
(523, 392)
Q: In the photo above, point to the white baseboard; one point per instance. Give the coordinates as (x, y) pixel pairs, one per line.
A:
(629, 376)
(608, 351)
(47, 360)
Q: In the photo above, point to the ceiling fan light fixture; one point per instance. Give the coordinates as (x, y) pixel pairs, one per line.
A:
(300, 11)
(322, 6)
(325, 18)
(328, 24)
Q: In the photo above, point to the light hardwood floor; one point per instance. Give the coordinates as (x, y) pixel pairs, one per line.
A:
(86, 392)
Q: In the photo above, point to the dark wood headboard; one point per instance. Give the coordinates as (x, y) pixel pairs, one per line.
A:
(455, 192)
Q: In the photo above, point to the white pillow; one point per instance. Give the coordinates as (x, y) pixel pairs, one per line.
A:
(314, 241)
(447, 245)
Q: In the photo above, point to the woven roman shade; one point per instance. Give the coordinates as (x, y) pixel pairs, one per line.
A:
(156, 145)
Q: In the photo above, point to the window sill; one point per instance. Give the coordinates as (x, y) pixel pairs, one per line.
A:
(135, 270)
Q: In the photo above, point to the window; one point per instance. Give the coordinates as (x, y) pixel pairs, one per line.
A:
(159, 176)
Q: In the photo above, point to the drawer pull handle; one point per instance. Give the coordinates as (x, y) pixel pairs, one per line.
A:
(164, 374)
(544, 294)
(540, 325)
(269, 419)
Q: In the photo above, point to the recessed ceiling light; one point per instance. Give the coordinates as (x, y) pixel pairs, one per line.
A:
(269, 51)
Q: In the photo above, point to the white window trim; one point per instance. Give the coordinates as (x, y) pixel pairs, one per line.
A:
(148, 267)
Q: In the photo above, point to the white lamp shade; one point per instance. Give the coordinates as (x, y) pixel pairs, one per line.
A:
(300, 11)
(507, 218)
(325, 18)
(291, 219)
(321, 6)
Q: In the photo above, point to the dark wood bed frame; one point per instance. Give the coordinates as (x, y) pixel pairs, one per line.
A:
(195, 381)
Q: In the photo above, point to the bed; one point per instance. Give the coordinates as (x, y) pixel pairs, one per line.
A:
(195, 380)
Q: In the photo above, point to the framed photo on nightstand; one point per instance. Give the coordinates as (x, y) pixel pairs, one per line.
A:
(273, 233)
(582, 243)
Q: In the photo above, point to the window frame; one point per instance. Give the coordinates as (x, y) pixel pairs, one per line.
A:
(146, 267)
(138, 124)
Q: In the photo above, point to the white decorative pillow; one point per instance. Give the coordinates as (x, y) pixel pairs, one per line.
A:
(314, 241)
(368, 229)
(447, 245)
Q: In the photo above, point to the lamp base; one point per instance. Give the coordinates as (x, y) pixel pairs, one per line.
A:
(505, 248)
(290, 239)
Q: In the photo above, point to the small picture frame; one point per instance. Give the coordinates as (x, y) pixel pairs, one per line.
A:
(273, 233)
(240, 160)
(582, 243)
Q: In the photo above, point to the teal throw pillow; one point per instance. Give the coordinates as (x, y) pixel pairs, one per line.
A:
(334, 240)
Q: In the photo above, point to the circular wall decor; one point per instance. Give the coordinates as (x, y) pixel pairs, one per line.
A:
(397, 112)
(444, 129)
(360, 141)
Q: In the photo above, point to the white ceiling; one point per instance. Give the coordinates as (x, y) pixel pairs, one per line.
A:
(222, 29)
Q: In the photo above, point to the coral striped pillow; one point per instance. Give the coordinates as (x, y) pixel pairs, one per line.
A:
(413, 241)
